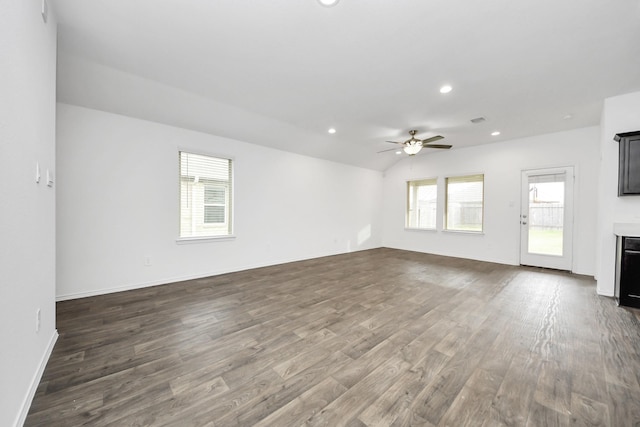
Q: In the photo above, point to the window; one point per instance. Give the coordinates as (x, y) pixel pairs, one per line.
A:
(215, 197)
(465, 203)
(422, 204)
(205, 196)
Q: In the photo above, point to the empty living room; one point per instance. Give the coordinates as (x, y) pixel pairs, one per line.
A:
(320, 213)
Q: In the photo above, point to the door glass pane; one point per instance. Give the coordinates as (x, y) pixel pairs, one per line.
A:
(546, 214)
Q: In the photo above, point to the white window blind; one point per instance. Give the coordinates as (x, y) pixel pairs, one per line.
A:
(422, 197)
(206, 190)
(465, 203)
(214, 204)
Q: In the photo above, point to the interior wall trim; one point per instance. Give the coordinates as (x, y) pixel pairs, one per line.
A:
(35, 381)
(165, 281)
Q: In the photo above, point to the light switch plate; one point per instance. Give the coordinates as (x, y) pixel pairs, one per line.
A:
(45, 10)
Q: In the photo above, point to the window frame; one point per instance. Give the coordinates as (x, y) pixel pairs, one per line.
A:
(433, 181)
(446, 226)
(230, 193)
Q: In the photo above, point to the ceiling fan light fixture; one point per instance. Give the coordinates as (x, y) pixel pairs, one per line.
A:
(413, 148)
(328, 3)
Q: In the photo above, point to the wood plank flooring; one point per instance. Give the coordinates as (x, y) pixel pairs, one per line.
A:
(374, 338)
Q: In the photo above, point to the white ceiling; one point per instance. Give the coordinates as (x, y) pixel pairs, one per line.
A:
(281, 73)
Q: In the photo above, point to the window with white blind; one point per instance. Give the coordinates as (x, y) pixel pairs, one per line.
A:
(464, 203)
(215, 204)
(206, 190)
(422, 197)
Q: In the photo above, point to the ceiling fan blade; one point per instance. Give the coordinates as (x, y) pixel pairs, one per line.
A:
(432, 139)
(445, 146)
(390, 149)
(394, 142)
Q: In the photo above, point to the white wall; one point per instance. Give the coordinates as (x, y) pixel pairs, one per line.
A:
(501, 164)
(118, 203)
(88, 84)
(27, 222)
(620, 114)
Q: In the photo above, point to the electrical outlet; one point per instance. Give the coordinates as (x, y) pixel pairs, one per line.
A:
(38, 320)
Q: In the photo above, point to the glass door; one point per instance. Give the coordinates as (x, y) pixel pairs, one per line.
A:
(546, 218)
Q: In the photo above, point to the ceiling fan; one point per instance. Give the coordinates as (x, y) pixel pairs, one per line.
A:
(413, 145)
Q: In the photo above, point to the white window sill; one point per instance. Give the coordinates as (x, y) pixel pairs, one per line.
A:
(431, 230)
(189, 240)
(477, 233)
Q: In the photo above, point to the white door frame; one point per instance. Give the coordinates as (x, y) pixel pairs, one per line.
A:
(564, 262)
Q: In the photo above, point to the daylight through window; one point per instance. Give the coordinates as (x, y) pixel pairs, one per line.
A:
(422, 204)
(465, 203)
(205, 196)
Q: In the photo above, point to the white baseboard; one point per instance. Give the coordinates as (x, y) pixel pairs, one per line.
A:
(164, 281)
(26, 403)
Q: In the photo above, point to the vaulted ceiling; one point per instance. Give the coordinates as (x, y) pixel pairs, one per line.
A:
(280, 73)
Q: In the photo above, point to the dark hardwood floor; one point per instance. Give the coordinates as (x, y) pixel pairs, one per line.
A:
(375, 338)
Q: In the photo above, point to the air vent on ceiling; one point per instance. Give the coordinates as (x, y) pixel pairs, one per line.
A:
(478, 120)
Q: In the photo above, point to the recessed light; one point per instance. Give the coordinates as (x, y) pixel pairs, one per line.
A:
(446, 89)
(496, 133)
(332, 131)
(328, 3)
(399, 152)
(568, 116)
